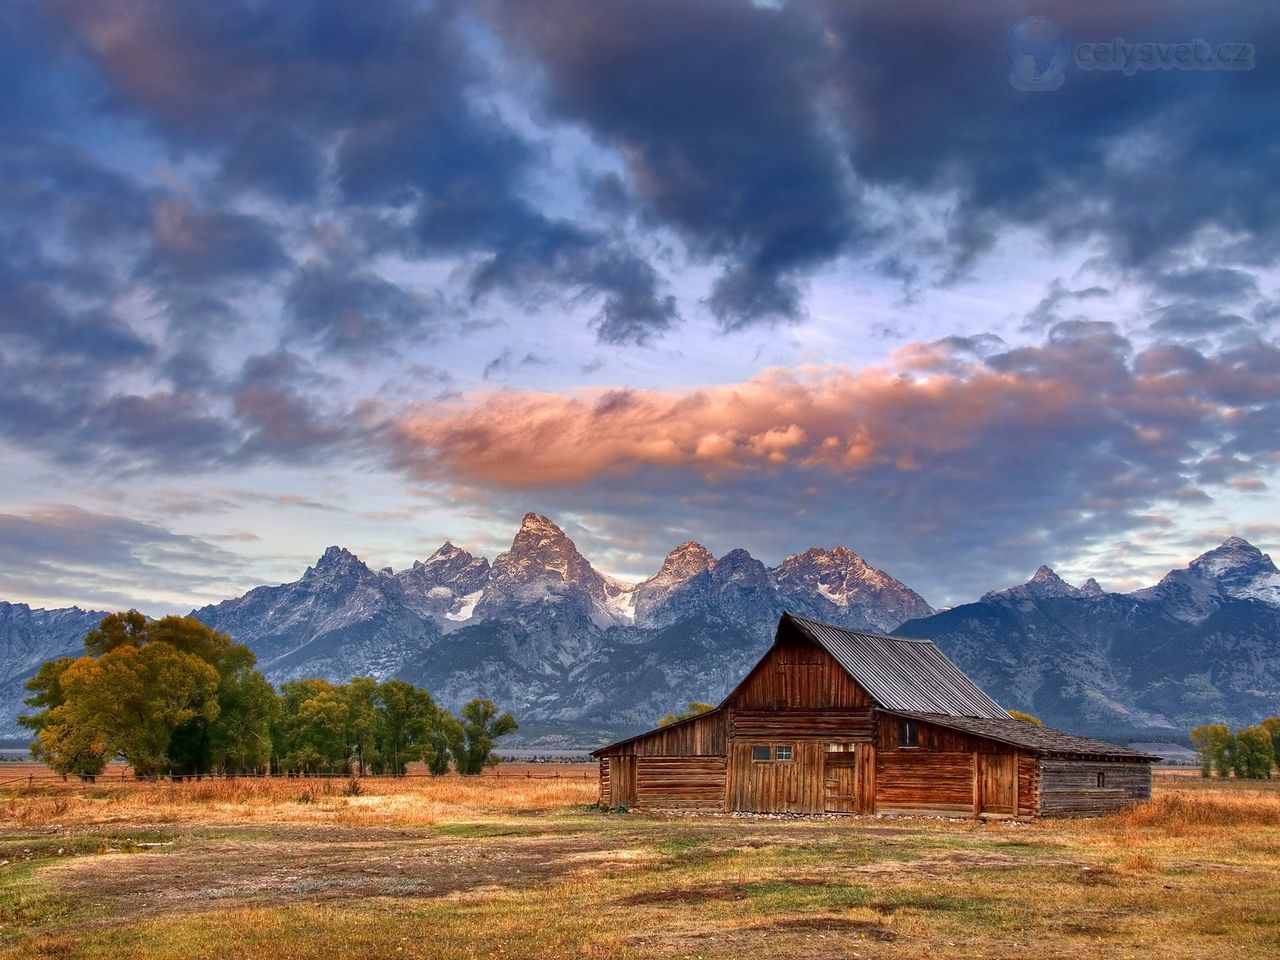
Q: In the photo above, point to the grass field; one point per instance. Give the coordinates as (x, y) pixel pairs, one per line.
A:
(516, 867)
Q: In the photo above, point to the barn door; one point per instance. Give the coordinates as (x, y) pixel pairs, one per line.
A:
(846, 789)
(996, 782)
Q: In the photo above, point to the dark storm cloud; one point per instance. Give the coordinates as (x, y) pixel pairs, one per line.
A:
(352, 311)
(278, 401)
(1195, 318)
(714, 105)
(752, 130)
(267, 92)
(1208, 283)
(189, 244)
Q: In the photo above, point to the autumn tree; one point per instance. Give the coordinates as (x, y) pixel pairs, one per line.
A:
(240, 739)
(692, 709)
(1212, 741)
(146, 690)
(1272, 726)
(361, 695)
(63, 740)
(311, 734)
(1254, 755)
(472, 739)
(409, 728)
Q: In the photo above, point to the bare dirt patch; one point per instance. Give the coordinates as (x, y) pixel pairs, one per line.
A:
(300, 866)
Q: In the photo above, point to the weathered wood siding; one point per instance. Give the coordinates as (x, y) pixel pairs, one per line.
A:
(701, 736)
(622, 781)
(852, 725)
(1070, 787)
(997, 783)
(604, 782)
(925, 781)
(681, 783)
(933, 738)
(850, 778)
(794, 786)
(1028, 785)
(798, 674)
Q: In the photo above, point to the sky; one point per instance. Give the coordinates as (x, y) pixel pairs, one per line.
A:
(772, 275)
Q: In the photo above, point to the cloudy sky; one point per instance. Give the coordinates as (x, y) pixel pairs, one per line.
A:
(275, 276)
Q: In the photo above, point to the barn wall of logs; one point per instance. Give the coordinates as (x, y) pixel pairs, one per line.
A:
(1071, 787)
(937, 782)
(681, 783)
(701, 736)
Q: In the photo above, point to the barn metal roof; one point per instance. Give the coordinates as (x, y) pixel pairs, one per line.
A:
(901, 673)
(1019, 733)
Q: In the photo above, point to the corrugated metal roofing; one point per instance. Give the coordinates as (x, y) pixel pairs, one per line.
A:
(1018, 733)
(902, 673)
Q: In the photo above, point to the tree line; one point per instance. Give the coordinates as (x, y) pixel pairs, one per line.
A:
(174, 696)
(1249, 753)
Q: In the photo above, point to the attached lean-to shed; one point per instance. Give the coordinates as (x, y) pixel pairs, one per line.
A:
(836, 721)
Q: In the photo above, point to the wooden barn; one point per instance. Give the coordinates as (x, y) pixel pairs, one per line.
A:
(835, 721)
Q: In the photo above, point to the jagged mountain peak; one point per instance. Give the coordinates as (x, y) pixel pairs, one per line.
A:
(540, 547)
(683, 562)
(1235, 569)
(837, 585)
(535, 524)
(336, 560)
(1091, 588)
(738, 565)
(1044, 584)
(1233, 553)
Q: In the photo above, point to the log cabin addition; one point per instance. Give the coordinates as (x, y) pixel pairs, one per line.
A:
(834, 721)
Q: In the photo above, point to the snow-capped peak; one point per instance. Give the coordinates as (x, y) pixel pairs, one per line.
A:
(1044, 584)
(1235, 569)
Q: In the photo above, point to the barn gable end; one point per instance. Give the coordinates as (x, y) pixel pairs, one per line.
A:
(835, 721)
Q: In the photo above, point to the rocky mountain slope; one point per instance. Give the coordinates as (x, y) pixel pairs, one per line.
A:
(1202, 644)
(579, 655)
(27, 639)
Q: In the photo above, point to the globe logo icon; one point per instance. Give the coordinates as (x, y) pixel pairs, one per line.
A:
(1037, 52)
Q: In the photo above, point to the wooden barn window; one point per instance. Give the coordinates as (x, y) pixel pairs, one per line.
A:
(908, 733)
(782, 751)
(1102, 779)
(761, 754)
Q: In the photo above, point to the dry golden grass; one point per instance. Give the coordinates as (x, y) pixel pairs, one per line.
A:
(417, 800)
(512, 867)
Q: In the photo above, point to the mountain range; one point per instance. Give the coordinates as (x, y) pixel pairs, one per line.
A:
(580, 656)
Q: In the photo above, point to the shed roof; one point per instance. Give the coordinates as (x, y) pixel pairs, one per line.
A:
(901, 673)
(1028, 736)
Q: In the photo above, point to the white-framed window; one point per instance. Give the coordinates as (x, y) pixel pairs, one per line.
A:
(761, 754)
(782, 751)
